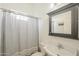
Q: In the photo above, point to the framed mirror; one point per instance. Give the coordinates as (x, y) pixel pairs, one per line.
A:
(63, 22)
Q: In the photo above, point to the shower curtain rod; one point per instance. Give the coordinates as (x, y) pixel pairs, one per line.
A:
(18, 13)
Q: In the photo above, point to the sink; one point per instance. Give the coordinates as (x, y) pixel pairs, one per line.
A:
(54, 51)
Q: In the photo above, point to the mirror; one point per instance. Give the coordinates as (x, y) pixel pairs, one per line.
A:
(63, 22)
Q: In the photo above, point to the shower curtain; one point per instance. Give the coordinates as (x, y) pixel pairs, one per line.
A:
(1, 17)
(20, 34)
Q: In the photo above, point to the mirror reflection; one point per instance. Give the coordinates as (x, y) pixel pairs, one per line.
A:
(61, 23)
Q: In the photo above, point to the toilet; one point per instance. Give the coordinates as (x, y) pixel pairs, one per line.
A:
(41, 53)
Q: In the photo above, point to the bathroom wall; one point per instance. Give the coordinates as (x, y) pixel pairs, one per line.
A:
(34, 9)
(21, 7)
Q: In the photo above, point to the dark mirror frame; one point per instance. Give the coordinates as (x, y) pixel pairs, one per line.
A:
(73, 7)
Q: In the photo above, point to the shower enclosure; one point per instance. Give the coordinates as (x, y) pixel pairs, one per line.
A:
(18, 33)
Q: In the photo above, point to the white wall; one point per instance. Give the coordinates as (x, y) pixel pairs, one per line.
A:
(21, 7)
(33, 9)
